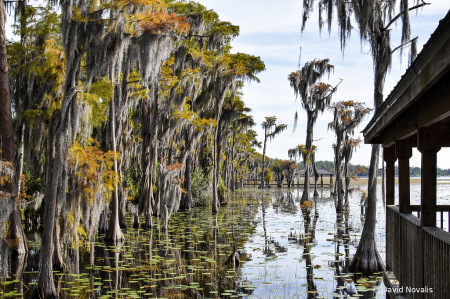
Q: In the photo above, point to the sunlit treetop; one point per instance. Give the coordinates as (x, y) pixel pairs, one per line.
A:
(253, 65)
(347, 115)
(349, 111)
(162, 21)
(192, 8)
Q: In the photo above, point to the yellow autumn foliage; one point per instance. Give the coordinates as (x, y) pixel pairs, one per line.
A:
(94, 168)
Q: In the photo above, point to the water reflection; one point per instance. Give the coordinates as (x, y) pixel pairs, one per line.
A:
(316, 248)
(308, 242)
(262, 244)
(341, 261)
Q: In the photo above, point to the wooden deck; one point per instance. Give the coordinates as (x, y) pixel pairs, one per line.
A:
(417, 256)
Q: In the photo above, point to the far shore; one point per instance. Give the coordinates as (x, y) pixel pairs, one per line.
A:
(362, 181)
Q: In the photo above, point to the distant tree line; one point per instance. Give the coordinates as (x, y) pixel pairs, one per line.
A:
(357, 170)
(415, 171)
(361, 170)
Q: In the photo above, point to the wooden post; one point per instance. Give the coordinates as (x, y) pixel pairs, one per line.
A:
(321, 180)
(403, 151)
(428, 145)
(389, 158)
(331, 181)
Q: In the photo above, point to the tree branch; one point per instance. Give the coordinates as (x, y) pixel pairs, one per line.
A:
(334, 88)
(196, 35)
(401, 13)
(171, 96)
(395, 49)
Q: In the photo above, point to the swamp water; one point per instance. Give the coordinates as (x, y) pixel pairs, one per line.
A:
(285, 252)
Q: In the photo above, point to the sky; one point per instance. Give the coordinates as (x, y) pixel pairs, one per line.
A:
(272, 30)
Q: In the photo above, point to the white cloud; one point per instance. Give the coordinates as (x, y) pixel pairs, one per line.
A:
(271, 30)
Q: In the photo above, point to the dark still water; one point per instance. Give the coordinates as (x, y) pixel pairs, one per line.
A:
(261, 245)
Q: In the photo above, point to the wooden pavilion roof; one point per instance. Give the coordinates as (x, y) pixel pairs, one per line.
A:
(422, 96)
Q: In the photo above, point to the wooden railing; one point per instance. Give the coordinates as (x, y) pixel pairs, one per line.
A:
(436, 256)
(392, 239)
(418, 257)
(441, 210)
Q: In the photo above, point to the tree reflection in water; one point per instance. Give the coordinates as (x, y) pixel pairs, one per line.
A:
(308, 241)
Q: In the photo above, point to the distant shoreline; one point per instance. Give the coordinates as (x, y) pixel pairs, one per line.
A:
(360, 182)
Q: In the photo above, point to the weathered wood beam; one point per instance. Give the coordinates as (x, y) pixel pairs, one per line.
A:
(390, 158)
(411, 90)
(433, 107)
(428, 144)
(403, 152)
(444, 138)
(439, 208)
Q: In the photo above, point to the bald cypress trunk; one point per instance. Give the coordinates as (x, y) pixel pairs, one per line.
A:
(316, 178)
(232, 165)
(338, 160)
(305, 195)
(103, 224)
(65, 124)
(147, 155)
(218, 148)
(17, 269)
(46, 286)
(21, 94)
(347, 185)
(154, 204)
(187, 202)
(122, 205)
(216, 163)
(121, 93)
(306, 158)
(316, 175)
(114, 234)
(221, 85)
(7, 140)
(263, 162)
(7, 134)
(19, 166)
(149, 206)
(56, 188)
(58, 262)
(367, 259)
